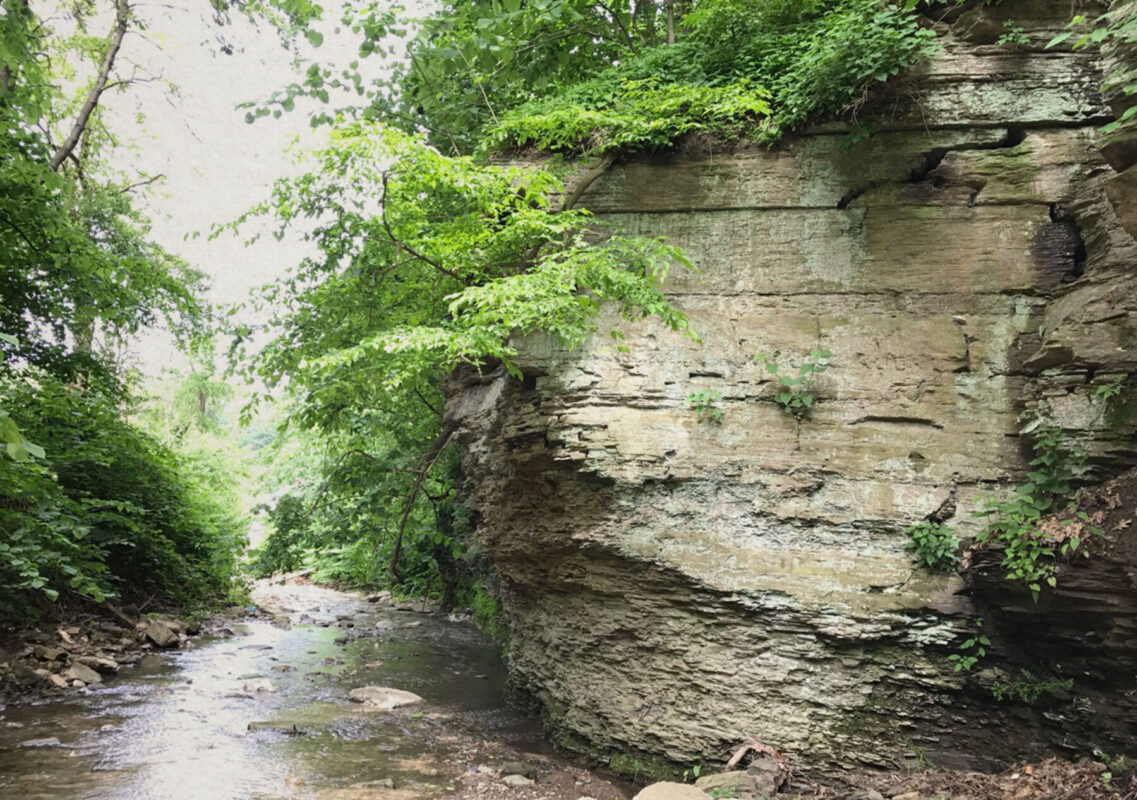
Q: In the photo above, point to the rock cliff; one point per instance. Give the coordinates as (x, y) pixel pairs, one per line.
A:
(675, 586)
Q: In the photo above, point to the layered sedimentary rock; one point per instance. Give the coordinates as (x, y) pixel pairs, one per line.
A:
(675, 586)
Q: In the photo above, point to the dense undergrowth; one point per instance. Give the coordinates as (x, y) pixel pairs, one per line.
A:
(109, 512)
(755, 68)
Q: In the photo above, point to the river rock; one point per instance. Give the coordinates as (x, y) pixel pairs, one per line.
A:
(668, 790)
(32, 744)
(259, 686)
(99, 663)
(161, 632)
(81, 672)
(517, 780)
(48, 653)
(740, 784)
(288, 728)
(381, 698)
(519, 768)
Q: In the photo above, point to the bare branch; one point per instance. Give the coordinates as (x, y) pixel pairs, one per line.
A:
(140, 184)
(114, 42)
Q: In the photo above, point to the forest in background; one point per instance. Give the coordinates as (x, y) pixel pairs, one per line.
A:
(425, 256)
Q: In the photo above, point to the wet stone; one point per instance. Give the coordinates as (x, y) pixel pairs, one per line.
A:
(81, 672)
(381, 698)
(33, 744)
(287, 728)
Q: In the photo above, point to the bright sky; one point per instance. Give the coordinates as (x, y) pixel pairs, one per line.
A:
(215, 164)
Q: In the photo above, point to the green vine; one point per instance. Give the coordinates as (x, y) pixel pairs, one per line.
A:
(972, 649)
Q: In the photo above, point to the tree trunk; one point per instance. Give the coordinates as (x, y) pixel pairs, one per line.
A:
(114, 42)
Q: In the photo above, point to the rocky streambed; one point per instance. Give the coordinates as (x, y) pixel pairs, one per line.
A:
(291, 703)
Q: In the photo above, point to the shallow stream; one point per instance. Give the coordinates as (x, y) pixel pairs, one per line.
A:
(177, 725)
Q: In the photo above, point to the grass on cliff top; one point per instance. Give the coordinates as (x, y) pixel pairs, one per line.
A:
(755, 67)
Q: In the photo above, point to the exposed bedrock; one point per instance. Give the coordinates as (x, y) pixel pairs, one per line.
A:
(675, 586)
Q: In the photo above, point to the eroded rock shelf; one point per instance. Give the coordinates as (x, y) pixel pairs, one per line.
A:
(675, 587)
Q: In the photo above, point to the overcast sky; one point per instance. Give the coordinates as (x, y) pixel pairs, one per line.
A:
(215, 165)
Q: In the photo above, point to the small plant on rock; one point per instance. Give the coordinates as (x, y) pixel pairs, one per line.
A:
(972, 649)
(706, 403)
(795, 392)
(1013, 34)
(1030, 542)
(934, 546)
(1029, 687)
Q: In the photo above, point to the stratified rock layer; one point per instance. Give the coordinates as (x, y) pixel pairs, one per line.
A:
(675, 586)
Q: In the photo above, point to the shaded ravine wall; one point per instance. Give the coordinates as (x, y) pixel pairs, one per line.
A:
(674, 587)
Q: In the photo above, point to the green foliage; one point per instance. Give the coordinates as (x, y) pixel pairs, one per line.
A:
(78, 265)
(934, 546)
(1106, 392)
(707, 404)
(743, 66)
(629, 114)
(971, 650)
(1016, 524)
(795, 393)
(1117, 26)
(423, 264)
(577, 75)
(1028, 687)
(1012, 35)
(487, 612)
(108, 511)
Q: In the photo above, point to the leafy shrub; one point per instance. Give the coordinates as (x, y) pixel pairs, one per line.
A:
(109, 511)
(1017, 524)
(934, 546)
(745, 67)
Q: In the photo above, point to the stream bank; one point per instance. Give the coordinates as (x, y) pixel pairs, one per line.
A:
(260, 709)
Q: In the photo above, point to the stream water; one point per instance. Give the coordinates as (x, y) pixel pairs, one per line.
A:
(177, 725)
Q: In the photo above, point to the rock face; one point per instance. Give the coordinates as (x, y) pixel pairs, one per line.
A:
(676, 586)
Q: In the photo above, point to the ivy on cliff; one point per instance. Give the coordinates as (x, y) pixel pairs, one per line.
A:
(744, 66)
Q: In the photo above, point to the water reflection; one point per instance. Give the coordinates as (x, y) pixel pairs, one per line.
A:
(177, 726)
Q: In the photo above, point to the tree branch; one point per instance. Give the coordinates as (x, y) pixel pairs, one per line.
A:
(428, 462)
(140, 184)
(572, 197)
(118, 31)
(404, 245)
